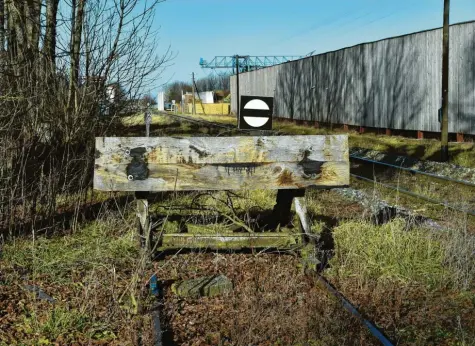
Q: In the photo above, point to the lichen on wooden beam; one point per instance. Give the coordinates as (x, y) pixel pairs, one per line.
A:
(226, 163)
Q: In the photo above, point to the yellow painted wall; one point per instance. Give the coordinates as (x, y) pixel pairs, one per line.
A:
(211, 108)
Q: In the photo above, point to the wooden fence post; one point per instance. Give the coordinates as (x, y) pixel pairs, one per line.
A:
(143, 220)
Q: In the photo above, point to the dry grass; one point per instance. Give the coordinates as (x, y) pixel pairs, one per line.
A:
(417, 285)
(95, 275)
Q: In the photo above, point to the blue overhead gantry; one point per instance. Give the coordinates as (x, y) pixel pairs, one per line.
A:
(245, 62)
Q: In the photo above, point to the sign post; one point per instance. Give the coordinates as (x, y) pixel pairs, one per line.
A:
(143, 219)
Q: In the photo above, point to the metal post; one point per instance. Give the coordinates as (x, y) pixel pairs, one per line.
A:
(148, 120)
(445, 86)
(193, 110)
(237, 85)
(182, 103)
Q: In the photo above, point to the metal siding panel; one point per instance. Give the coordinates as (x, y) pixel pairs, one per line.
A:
(392, 83)
(462, 95)
(454, 76)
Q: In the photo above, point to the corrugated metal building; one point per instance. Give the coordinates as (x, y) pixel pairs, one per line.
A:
(393, 83)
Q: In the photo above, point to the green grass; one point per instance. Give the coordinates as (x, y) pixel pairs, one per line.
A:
(96, 244)
(138, 119)
(245, 201)
(58, 322)
(456, 195)
(388, 253)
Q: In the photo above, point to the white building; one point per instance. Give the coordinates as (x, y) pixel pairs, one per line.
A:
(205, 96)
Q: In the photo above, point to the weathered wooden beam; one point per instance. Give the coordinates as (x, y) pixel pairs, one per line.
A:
(194, 177)
(234, 241)
(207, 150)
(208, 163)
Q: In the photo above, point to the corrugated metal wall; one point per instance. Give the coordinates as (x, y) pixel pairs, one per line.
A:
(394, 83)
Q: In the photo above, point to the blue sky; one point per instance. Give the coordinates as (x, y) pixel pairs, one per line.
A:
(206, 28)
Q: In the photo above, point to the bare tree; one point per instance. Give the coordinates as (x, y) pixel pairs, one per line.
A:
(49, 42)
(54, 74)
(214, 82)
(174, 90)
(2, 26)
(76, 35)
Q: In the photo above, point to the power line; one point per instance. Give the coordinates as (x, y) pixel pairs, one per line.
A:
(330, 22)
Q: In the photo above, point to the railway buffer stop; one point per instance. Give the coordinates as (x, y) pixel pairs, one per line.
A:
(289, 164)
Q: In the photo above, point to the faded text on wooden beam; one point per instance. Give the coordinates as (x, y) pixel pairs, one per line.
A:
(220, 163)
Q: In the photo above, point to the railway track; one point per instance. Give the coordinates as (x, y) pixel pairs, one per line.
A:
(442, 182)
(415, 171)
(367, 179)
(200, 121)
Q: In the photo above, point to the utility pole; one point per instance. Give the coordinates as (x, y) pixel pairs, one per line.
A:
(444, 140)
(193, 109)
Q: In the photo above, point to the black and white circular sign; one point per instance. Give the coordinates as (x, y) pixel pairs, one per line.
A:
(256, 113)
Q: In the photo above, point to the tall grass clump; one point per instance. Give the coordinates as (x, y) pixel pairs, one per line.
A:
(460, 258)
(107, 242)
(388, 253)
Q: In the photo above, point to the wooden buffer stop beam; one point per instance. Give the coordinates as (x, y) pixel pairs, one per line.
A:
(289, 164)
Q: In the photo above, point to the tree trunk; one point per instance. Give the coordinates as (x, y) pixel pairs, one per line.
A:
(75, 54)
(13, 36)
(32, 23)
(49, 47)
(2, 27)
